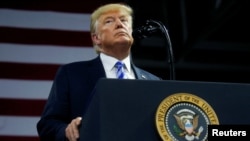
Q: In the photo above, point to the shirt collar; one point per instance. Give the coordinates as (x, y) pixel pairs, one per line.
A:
(109, 61)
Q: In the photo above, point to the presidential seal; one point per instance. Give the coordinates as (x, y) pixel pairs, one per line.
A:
(184, 117)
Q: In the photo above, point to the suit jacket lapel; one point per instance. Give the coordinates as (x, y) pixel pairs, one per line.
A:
(95, 70)
(138, 73)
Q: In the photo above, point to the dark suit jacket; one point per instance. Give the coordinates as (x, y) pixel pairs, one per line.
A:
(70, 93)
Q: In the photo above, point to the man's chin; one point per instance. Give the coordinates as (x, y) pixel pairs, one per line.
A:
(124, 39)
(125, 42)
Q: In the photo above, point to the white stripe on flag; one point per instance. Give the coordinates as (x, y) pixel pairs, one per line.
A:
(18, 126)
(44, 20)
(24, 89)
(44, 53)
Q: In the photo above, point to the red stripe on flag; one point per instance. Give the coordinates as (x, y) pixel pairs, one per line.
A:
(21, 107)
(45, 37)
(28, 71)
(64, 6)
(18, 138)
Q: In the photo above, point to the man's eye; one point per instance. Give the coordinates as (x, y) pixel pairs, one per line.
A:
(124, 20)
(108, 21)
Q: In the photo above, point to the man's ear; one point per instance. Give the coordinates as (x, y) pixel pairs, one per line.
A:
(95, 39)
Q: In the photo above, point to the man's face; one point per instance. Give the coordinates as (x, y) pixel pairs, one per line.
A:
(114, 31)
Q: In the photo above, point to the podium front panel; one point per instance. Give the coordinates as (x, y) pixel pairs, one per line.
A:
(125, 110)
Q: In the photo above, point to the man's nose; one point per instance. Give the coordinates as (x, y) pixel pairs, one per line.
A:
(119, 24)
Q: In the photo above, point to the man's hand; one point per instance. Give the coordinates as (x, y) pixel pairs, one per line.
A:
(72, 132)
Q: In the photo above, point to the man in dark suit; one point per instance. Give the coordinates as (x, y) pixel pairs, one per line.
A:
(111, 32)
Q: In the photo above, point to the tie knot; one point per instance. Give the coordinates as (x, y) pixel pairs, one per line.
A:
(119, 64)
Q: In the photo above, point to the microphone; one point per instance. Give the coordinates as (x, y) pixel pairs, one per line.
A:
(144, 31)
(150, 27)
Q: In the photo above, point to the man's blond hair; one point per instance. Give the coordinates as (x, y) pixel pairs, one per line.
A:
(105, 9)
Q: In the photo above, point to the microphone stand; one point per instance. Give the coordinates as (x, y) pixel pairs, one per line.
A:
(169, 48)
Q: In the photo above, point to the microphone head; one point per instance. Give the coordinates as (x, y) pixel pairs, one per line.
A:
(144, 31)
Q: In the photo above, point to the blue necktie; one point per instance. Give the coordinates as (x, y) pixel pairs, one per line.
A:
(120, 72)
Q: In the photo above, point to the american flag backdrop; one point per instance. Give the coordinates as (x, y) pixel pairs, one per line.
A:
(36, 37)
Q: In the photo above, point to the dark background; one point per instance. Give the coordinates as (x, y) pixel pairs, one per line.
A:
(210, 39)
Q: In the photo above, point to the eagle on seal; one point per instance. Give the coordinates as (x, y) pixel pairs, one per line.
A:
(187, 120)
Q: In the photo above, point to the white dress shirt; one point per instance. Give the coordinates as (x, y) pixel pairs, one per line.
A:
(109, 62)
